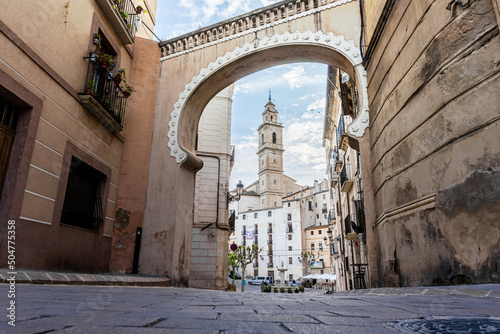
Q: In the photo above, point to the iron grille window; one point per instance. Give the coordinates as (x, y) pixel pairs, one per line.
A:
(83, 199)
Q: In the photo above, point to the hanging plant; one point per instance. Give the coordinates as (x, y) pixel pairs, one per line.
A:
(106, 60)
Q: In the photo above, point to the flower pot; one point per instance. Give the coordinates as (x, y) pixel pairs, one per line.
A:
(94, 57)
(117, 80)
(126, 95)
(104, 64)
(138, 10)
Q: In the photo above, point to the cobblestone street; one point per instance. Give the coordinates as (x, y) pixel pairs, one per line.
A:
(95, 309)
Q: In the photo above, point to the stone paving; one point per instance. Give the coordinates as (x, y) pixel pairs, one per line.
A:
(103, 309)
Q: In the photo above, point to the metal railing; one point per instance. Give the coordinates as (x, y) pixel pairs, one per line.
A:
(100, 84)
(128, 13)
(345, 175)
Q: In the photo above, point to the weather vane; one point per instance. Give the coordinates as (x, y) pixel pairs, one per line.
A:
(269, 94)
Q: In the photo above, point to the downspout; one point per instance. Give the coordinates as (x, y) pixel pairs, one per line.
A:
(218, 191)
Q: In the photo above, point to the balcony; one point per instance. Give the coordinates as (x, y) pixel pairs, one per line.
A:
(324, 210)
(121, 15)
(270, 231)
(345, 179)
(243, 232)
(318, 265)
(256, 232)
(269, 242)
(104, 98)
(289, 229)
(270, 252)
(269, 265)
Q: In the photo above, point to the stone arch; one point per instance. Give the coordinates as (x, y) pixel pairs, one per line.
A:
(251, 57)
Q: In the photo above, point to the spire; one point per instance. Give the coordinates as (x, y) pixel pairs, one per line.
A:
(269, 94)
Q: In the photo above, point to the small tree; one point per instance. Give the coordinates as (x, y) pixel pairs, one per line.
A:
(231, 260)
(245, 256)
(308, 259)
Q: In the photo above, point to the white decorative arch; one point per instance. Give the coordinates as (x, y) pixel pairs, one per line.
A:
(337, 43)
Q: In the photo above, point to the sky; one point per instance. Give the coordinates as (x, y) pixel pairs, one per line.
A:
(298, 91)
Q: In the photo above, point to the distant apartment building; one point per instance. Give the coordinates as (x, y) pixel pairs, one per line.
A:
(347, 238)
(274, 211)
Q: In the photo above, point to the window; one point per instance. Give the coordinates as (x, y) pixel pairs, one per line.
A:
(255, 215)
(256, 272)
(269, 213)
(262, 182)
(315, 205)
(322, 271)
(289, 229)
(324, 196)
(261, 139)
(288, 204)
(244, 217)
(256, 240)
(312, 247)
(290, 277)
(82, 201)
(320, 246)
(275, 180)
(317, 216)
(270, 228)
(275, 204)
(244, 241)
(256, 229)
(289, 216)
(319, 232)
(290, 248)
(290, 237)
(310, 205)
(290, 260)
(312, 232)
(274, 138)
(9, 117)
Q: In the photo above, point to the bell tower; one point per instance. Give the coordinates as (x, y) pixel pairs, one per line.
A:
(270, 154)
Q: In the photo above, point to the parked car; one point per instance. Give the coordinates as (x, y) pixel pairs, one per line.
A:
(258, 280)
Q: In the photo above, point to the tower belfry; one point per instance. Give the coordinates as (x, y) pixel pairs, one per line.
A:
(270, 154)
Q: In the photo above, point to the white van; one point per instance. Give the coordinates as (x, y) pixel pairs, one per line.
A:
(257, 280)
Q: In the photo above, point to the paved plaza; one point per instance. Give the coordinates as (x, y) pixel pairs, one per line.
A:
(101, 309)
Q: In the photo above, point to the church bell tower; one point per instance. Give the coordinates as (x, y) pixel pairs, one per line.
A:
(270, 158)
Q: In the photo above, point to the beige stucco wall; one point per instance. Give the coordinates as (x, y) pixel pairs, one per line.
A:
(433, 89)
(48, 62)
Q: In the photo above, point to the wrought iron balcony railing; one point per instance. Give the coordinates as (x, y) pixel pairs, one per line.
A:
(103, 97)
(122, 15)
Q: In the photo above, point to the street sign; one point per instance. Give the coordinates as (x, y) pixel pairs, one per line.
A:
(234, 247)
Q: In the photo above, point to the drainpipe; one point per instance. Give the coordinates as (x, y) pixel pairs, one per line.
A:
(218, 187)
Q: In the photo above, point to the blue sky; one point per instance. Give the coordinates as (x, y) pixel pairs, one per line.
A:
(298, 91)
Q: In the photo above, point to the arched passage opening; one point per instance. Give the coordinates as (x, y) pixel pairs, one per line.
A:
(173, 252)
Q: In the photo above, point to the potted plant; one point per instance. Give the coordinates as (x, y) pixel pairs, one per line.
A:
(290, 289)
(124, 15)
(93, 57)
(301, 288)
(119, 76)
(275, 289)
(89, 87)
(127, 91)
(282, 289)
(106, 60)
(296, 290)
(97, 40)
(139, 9)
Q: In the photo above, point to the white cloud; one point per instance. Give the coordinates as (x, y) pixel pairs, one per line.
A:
(267, 2)
(193, 10)
(295, 77)
(307, 97)
(318, 104)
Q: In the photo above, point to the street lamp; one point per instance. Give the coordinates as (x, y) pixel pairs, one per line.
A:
(328, 241)
(239, 192)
